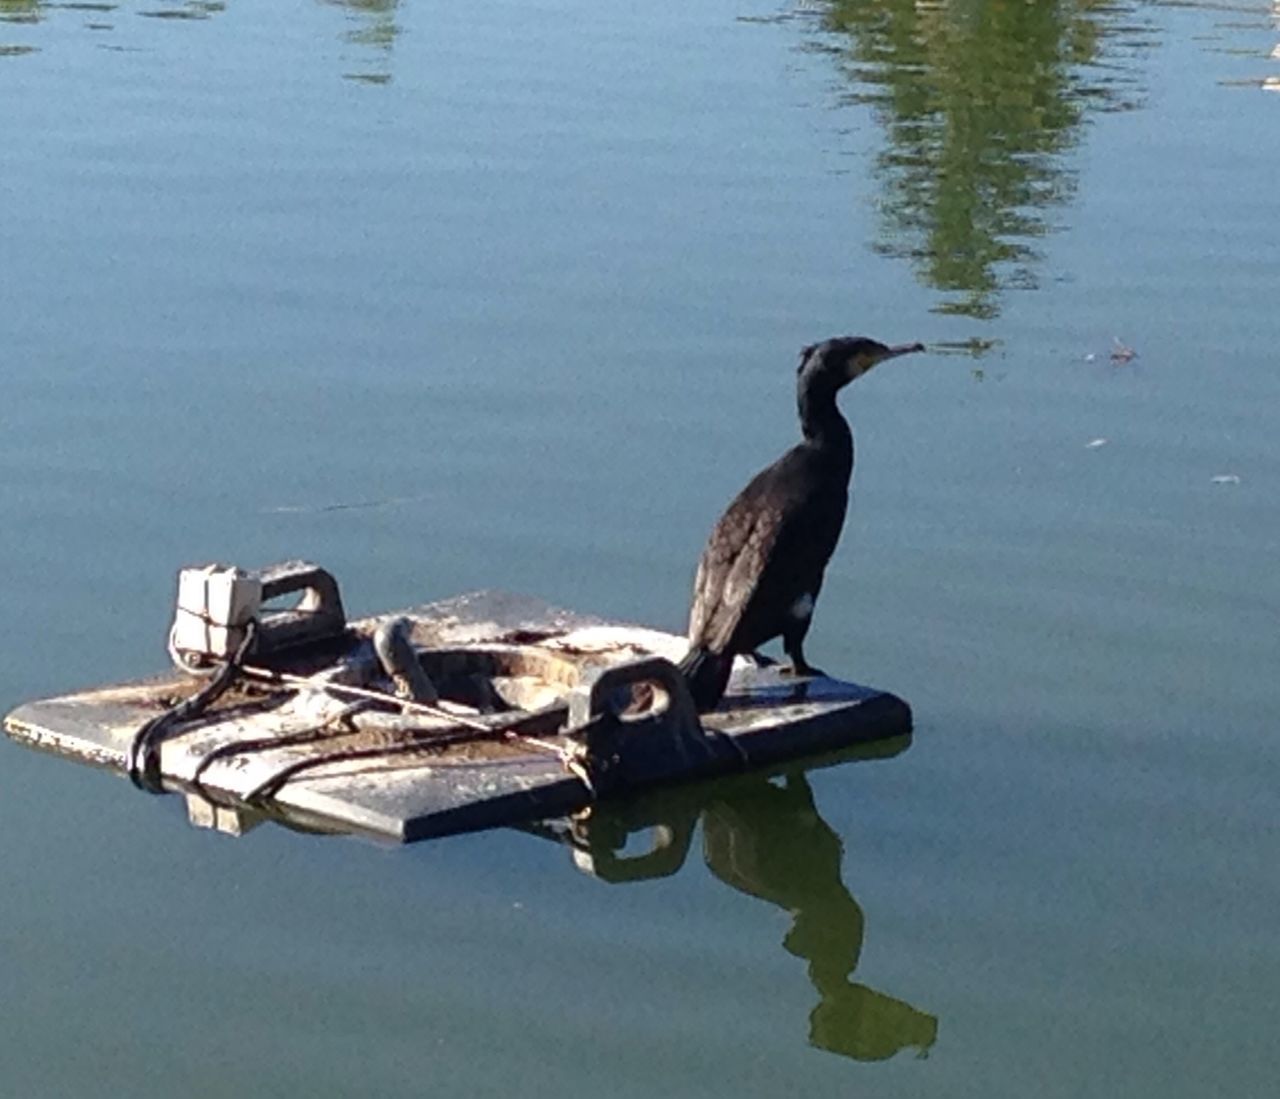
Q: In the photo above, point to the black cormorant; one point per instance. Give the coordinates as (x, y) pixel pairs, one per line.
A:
(761, 571)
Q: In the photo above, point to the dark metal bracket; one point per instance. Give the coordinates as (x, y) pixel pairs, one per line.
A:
(632, 722)
(317, 616)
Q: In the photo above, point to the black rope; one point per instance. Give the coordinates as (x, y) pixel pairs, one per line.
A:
(416, 740)
(143, 757)
(142, 761)
(233, 748)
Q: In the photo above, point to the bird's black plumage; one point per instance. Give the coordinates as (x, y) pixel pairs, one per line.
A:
(762, 568)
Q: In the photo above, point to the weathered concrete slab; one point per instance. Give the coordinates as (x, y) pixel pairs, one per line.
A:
(369, 771)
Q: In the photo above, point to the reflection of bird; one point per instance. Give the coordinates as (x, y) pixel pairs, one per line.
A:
(762, 568)
(764, 836)
(769, 840)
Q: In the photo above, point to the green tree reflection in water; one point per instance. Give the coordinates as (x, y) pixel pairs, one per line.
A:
(185, 9)
(19, 13)
(99, 15)
(765, 838)
(980, 100)
(374, 30)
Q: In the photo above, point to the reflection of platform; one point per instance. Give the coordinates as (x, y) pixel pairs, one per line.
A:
(328, 757)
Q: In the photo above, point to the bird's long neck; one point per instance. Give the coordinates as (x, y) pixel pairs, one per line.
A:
(823, 425)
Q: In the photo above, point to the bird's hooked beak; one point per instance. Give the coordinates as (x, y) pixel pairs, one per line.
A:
(883, 354)
(899, 349)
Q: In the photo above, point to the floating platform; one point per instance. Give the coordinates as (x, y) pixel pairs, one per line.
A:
(536, 713)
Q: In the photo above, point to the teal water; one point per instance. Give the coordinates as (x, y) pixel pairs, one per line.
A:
(524, 285)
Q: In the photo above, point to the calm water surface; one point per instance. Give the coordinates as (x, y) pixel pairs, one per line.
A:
(523, 284)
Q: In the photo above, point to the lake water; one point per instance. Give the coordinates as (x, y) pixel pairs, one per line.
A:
(523, 284)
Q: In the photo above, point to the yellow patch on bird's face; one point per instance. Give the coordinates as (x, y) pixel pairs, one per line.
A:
(859, 364)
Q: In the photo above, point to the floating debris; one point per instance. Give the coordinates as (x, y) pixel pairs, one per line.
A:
(1225, 479)
(1121, 352)
(1093, 444)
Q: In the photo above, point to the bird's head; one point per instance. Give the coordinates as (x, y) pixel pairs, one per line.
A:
(838, 361)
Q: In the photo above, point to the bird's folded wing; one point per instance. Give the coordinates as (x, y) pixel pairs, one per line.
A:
(730, 572)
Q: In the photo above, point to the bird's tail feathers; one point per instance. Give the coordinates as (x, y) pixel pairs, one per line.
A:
(707, 675)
